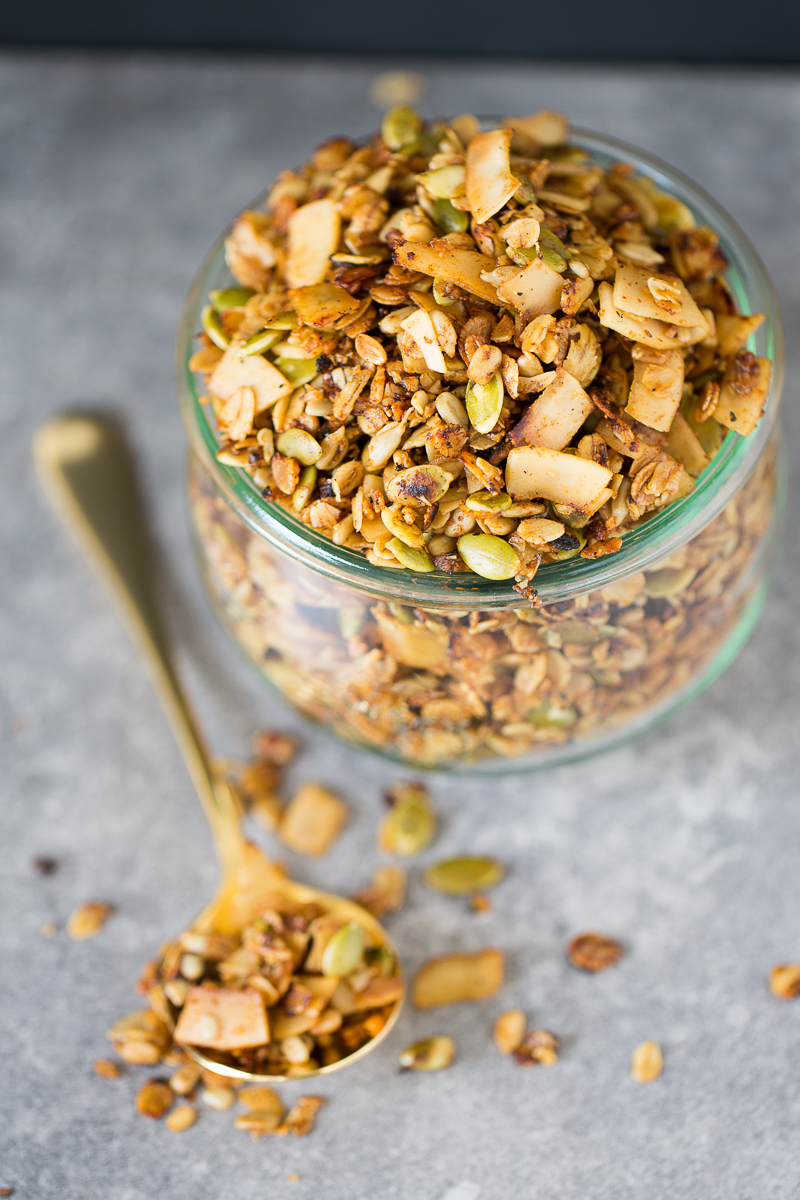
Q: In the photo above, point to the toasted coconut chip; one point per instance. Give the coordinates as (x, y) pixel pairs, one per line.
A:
(734, 332)
(533, 291)
(489, 182)
(461, 267)
(656, 390)
(535, 471)
(313, 236)
(234, 372)
(650, 332)
(555, 417)
(640, 293)
(740, 410)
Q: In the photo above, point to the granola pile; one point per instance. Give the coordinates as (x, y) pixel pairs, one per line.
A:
(466, 350)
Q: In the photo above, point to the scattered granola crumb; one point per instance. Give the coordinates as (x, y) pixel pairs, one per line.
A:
(106, 1069)
(509, 1030)
(45, 865)
(48, 930)
(593, 952)
(301, 1116)
(6, 1191)
(537, 1046)
(275, 747)
(647, 1062)
(293, 1178)
(88, 919)
(181, 1118)
(154, 1098)
(386, 893)
(784, 981)
(312, 820)
(480, 903)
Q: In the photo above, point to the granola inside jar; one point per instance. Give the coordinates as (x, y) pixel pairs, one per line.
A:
(479, 665)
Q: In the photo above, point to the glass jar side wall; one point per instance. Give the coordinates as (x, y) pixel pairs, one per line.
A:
(512, 688)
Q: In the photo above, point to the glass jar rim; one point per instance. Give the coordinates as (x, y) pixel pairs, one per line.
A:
(667, 530)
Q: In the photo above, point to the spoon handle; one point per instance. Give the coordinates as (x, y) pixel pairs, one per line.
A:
(87, 473)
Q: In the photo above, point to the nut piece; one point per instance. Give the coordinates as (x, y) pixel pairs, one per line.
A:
(509, 1030)
(154, 1098)
(647, 1062)
(593, 952)
(312, 820)
(257, 1124)
(185, 1078)
(410, 825)
(784, 981)
(106, 1069)
(181, 1118)
(431, 1054)
(300, 1117)
(537, 1046)
(453, 978)
(220, 1098)
(386, 893)
(461, 876)
(261, 1100)
(88, 919)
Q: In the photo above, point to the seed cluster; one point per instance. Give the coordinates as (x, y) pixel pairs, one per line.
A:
(466, 350)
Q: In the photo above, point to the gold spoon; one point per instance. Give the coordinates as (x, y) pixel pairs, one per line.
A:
(87, 474)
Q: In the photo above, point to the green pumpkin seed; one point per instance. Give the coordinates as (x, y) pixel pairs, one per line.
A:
(305, 488)
(442, 182)
(212, 325)
(485, 502)
(232, 297)
(669, 581)
(379, 956)
(449, 218)
(524, 193)
(297, 443)
(563, 555)
(489, 556)
(401, 128)
(553, 260)
(484, 403)
(284, 320)
(672, 212)
(410, 557)
(439, 296)
(344, 951)
(259, 342)
(431, 1054)
(410, 825)
(548, 238)
(461, 876)
(297, 370)
(401, 613)
(550, 716)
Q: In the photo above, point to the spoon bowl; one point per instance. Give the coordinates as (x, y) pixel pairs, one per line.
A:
(87, 474)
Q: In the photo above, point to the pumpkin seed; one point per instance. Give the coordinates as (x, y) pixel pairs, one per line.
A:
(431, 1054)
(484, 501)
(563, 555)
(443, 182)
(297, 370)
(344, 951)
(548, 238)
(232, 297)
(410, 825)
(484, 403)
(284, 320)
(552, 717)
(668, 582)
(305, 488)
(443, 300)
(461, 876)
(410, 557)
(401, 128)
(259, 342)
(209, 319)
(553, 260)
(449, 218)
(489, 556)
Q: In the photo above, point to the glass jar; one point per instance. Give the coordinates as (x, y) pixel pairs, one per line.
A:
(451, 670)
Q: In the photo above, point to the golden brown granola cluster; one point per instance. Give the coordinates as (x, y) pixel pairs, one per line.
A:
(467, 350)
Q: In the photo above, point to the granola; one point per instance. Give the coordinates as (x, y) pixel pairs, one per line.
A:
(441, 686)
(456, 349)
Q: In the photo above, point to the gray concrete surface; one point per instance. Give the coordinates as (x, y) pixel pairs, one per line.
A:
(117, 172)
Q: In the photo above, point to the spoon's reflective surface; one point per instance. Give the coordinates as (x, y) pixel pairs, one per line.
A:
(86, 471)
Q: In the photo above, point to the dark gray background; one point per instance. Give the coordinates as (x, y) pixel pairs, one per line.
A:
(117, 173)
